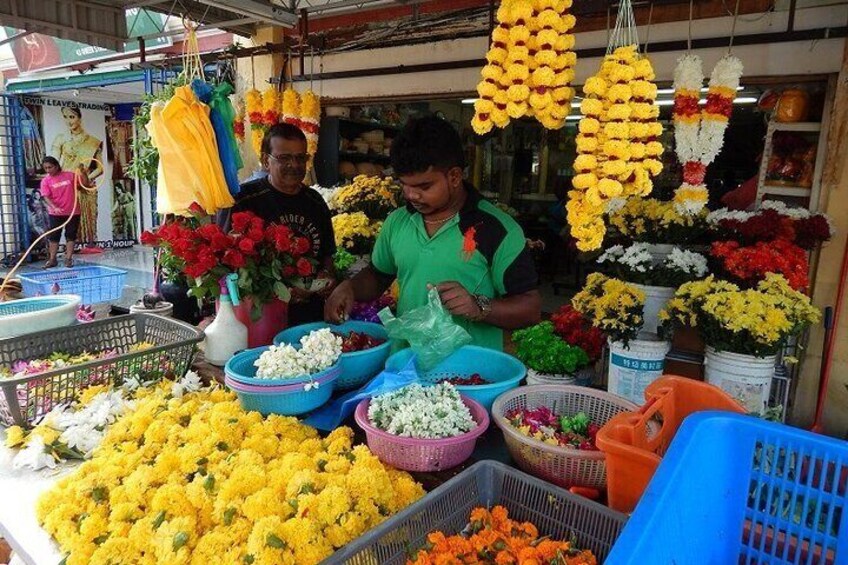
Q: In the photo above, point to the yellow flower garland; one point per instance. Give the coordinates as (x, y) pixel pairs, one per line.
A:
(530, 66)
(198, 480)
(618, 151)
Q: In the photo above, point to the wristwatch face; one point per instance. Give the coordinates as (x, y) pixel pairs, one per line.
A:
(484, 303)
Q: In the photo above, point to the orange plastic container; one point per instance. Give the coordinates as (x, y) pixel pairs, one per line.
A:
(634, 442)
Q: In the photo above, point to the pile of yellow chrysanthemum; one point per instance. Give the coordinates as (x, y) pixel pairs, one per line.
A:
(530, 66)
(376, 197)
(618, 142)
(199, 480)
(611, 305)
(755, 321)
(356, 232)
(656, 221)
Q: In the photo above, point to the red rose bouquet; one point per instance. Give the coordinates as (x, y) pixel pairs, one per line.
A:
(748, 265)
(268, 258)
(576, 330)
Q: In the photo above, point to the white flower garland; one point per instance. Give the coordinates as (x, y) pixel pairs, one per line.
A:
(699, 137)
(422, 412)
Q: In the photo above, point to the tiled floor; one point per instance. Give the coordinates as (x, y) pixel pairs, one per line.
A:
(138, 262)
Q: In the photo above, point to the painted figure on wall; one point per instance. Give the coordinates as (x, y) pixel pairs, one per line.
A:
(79, 147)
(123, 211)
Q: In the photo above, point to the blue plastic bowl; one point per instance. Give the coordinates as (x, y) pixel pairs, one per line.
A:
(241, 369)
(503, 371)
(358, 367)
(293, 402)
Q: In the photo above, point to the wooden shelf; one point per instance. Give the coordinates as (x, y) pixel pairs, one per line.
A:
(536, 197)
(796, 126)
(373, 125)
(354, 156)
(779, 190)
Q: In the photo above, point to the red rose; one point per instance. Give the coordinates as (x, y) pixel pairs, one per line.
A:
(149, 238)
(304, 267)
(221, 242)
(247, 245)
(301, 246)
(196, 210)
(241, 221)
(289, 271)
(233, 258)
(209, 231)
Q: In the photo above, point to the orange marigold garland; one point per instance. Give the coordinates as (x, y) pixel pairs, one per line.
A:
(253, 106)
(491, 537)
(530, 66)
(238, 121)
(617, 145)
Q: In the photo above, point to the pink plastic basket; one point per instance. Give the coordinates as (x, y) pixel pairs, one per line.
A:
(413, 454)
(561, 466)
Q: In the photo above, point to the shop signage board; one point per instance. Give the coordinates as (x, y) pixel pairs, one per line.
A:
(37, 52)
(78, 132)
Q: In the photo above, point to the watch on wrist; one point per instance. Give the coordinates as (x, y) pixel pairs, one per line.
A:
(484, 303)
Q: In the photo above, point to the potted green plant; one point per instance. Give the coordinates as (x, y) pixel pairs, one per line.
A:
(549, 359)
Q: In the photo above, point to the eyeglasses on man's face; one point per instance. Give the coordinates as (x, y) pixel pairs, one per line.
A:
(290, 159)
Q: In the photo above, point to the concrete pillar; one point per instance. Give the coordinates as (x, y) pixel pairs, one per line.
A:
(834, 202)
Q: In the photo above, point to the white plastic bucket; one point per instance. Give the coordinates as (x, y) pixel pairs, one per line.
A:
(361, 262)
(656, 298)
(660, 251)
(165, 309)
(633, 368)
(582, 377)
(744, 377)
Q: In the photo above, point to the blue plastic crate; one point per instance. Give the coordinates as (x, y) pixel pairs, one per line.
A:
(94, 284)
(734, 489)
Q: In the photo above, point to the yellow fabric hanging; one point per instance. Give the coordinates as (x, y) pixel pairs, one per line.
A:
(189, 167)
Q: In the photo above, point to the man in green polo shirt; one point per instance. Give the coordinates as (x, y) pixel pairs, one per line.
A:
(449, 237)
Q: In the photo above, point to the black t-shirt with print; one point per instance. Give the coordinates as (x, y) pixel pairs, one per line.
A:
(307, 215)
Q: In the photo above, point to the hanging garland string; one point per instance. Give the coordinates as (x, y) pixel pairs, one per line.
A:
(699, 133)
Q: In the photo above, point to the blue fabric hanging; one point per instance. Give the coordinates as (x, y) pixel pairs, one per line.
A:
(222, 114)
(330, 416)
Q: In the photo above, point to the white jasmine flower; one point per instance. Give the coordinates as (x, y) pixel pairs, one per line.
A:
(422, 412)
(34, 456)
(319, 350)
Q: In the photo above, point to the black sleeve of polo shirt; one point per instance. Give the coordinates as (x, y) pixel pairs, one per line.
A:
(521, 276)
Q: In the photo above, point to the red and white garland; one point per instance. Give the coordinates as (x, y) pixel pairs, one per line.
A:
(699, 134)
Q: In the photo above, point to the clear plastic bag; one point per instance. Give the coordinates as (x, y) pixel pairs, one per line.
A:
(430, 330)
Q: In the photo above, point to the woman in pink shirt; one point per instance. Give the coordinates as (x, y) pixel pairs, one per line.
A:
(57, 188)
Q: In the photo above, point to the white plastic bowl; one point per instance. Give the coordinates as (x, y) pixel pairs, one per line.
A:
(19, 317)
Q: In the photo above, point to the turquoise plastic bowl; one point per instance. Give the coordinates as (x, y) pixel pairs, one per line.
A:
(290, 400)
(503, 371)
(240, 368)
(358, 367)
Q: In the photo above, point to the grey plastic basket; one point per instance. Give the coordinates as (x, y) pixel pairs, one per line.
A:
(26, 399)
(554, 511)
